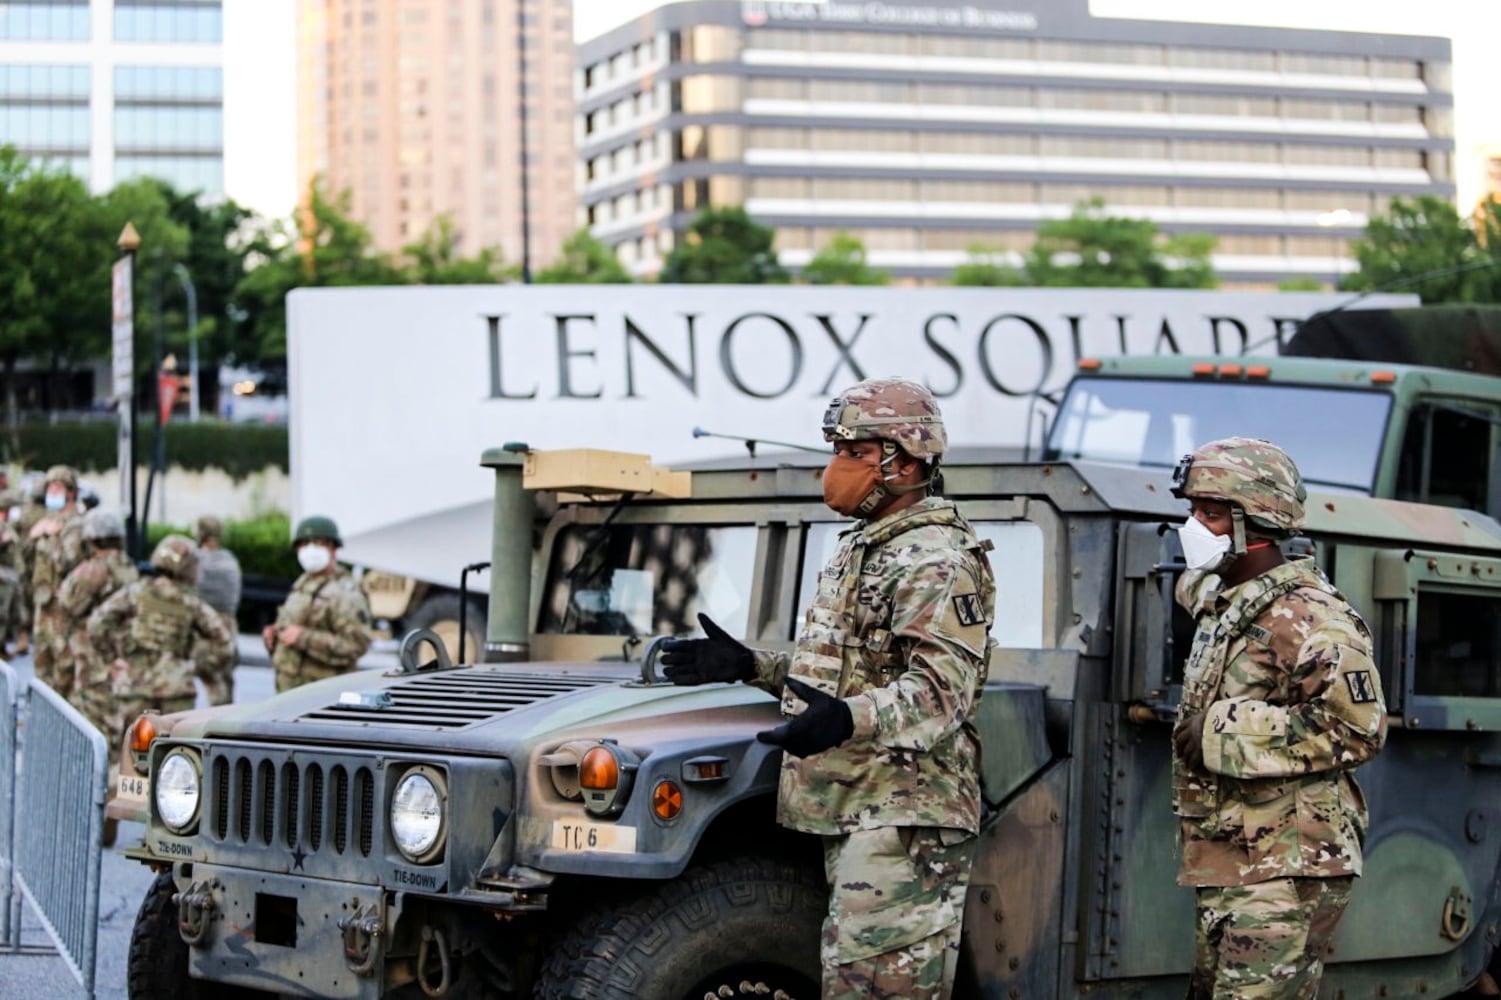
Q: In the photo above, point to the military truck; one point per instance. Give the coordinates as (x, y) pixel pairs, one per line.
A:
(558, 822)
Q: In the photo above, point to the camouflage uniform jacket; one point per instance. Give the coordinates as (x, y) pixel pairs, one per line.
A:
(10, 557)
(152, 625)
(56, 555)
(92, 581)
(335, 619)
(219, 579)
(899, 628)
(1281, 666)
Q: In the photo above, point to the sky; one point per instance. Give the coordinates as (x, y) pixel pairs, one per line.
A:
(260, 71)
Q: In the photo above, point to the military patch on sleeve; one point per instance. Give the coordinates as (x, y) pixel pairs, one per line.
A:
(968, 610)
(1362, 691)
(1258, 633)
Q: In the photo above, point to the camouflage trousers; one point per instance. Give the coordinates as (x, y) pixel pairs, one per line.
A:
(129, 707)
(1266, 940)
(49, 653)
(218, 679)
(896, 907)
(10, 587)
(93, 691)
(305, 672)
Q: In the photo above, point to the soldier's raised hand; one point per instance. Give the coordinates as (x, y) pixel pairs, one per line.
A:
(717, 657)
(824, 724)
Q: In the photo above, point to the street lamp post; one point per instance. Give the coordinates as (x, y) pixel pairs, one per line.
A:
(123, 336)
(192, 293)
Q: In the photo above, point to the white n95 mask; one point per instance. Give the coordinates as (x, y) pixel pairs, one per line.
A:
(314, 558)
(1202, 548)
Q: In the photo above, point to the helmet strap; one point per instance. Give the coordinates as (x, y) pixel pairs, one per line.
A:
(1237, 530)
(889, 451)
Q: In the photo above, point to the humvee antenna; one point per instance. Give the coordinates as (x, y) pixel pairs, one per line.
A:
(750, 443)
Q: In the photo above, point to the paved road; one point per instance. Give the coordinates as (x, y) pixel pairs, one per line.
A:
(39, 973)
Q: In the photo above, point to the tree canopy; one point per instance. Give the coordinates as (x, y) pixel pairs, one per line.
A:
(1422, 245)
(1091, 249)
(724, 246)
(843, 262)
(585, 260)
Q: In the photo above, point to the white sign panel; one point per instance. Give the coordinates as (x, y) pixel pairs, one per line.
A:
(395, 392)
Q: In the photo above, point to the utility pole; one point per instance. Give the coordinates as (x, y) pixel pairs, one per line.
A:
(526, 207)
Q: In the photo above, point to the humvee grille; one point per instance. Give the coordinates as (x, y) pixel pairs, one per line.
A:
(455, 699)
(269, 801)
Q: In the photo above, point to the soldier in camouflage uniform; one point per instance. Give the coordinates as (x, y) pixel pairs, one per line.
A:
(324, 627)
(1281, 701)
(219, 582)
(33, 509)
(881, 759)
(58, 540)
(10, 568)
(149, 632)
(105, 569)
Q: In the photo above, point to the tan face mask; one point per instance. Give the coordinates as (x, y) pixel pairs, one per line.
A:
(852, 487)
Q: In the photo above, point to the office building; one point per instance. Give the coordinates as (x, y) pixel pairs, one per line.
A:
(419, 108)
(927, 129)
(116, 89)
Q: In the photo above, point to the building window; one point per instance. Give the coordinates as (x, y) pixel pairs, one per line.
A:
(59, 21)
(169, 83)
(182, 21)
(44, 83)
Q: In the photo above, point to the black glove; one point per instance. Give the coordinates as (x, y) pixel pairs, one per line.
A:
(826, 723)
(704, 661)
(1188, 738)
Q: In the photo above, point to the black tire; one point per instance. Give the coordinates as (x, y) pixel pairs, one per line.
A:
(157, 968)
(158, 965)
(745, 919)
(440, 612)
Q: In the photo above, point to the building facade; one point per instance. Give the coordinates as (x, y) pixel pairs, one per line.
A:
(420, 109)
(116, 89)
(931, 130)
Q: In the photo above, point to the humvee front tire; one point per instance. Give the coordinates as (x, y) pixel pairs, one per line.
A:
(157, 968)
(747, 920)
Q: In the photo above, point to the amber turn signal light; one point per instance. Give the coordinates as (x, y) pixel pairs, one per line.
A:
(599, 770)
(667, 800)
(142, 734)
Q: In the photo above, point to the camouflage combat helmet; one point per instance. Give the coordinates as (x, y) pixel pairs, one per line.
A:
(1256, 476)
(317, 528)
(894, 410)
(64, 474)
(176, 556)
(208, 527)
(99, 524)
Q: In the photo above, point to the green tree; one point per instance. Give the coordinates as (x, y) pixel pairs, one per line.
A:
(434, 259)
(1300, 284)
(724, 246)
(324, 248)
(843, 262)
(1091, 249)
(985, 267)
(585, 261)
(1421, 245)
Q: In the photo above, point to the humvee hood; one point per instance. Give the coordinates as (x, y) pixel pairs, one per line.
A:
(480, 709)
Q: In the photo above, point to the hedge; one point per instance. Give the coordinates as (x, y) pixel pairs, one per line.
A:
(239, 449)
(263, 545)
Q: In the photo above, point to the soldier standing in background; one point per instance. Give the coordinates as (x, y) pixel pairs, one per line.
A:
(33, 509)
(881, 759)
(324, 627)
(59, 548)
(105, 569)
(149, 631)
(10, 569)
(219, 582)
(1281, 701)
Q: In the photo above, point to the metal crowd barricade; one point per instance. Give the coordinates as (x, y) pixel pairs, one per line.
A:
(64, 769)
(10, 903)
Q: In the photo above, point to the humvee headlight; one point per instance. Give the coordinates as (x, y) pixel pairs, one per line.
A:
(178, 790)
(417, 808)
(606, 774)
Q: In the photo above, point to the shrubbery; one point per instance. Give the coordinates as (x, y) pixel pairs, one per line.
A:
(263, 545)
(239, 449)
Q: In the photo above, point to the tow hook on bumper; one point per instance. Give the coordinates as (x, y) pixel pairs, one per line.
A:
(195, 909)
(362, 933)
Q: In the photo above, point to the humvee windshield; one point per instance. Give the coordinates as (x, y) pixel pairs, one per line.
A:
(1155, 422)
(648, 579)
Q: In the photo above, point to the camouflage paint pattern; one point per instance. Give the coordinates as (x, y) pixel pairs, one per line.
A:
(335, 619)
(147, 633)
(219, 582)
(1282, 670)
(1266, 940)
(1255, 475)
(59, 548)
(10, 577)
(32, 512)
(895, 910)
(88, 586)
(888, 409)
